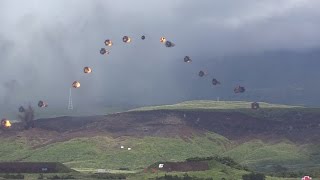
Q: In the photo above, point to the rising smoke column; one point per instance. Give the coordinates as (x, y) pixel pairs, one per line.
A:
(27, 117)
(11, 88)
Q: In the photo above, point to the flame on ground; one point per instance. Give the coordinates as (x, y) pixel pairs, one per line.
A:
(6, 123)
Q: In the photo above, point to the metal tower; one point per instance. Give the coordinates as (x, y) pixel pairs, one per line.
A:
(70, 106)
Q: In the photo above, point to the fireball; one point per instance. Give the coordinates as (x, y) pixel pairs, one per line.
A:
(5, 123)
(163, 40)
(87, 70)
(126, 39)
(108, 42)
(76, 84)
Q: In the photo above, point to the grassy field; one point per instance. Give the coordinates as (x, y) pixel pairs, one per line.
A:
(259, 155)
(212, 105)
(270, 111)
(105, 152)
(86, 155)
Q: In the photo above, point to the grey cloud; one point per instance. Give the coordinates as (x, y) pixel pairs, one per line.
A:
(45, 45)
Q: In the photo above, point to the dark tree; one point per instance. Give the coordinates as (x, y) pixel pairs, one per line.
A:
(254, 176)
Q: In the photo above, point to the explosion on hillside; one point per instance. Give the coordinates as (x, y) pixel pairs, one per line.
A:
(5, 123)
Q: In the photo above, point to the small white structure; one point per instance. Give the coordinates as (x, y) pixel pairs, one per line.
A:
(122, 147)
(129, 149)
(161, 166)
(101, 171)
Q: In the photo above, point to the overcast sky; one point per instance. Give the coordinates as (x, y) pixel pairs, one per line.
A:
(44, 46)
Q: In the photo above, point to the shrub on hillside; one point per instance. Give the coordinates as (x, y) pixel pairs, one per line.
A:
(185, 177)
(12, 176)
(124, 169)
(223, 160)
(108, 176)
(61, 177)
(254, 176)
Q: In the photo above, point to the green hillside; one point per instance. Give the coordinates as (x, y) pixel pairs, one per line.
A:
(267, 110)
(98, 152)
(212, 105)
(105, 152)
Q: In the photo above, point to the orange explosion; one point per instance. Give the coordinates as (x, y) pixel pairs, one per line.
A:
(87, 70)
(108, 42)
(6, 123)
(76, 84)
(163, 40)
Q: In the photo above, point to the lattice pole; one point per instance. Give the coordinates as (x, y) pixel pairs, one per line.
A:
(70, 106)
